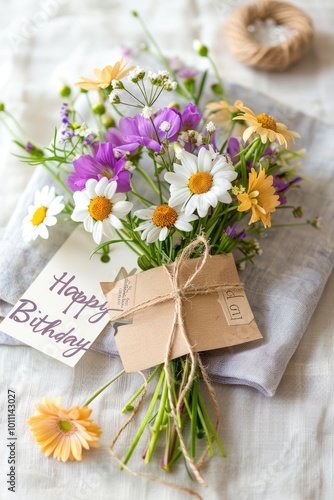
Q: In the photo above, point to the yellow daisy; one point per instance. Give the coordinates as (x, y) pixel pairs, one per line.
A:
(105, 76)
(63, 433)
(260, 197)
(220, 112)
(266, 126)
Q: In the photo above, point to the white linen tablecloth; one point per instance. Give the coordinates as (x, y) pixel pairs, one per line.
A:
(280, 447)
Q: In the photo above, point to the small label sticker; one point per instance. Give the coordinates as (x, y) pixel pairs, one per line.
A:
(235, 306)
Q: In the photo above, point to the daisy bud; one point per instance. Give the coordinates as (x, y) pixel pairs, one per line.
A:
(2, 106)
(175, 105)
(99, 109)
(201, 49)
(216, 88)
(65, 91)
(108, 121)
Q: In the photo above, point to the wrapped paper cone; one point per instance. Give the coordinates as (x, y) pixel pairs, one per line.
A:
(215, 311)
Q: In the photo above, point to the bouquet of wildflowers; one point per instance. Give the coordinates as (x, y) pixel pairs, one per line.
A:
(159, 177)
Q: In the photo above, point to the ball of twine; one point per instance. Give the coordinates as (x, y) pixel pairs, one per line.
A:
(274, 58)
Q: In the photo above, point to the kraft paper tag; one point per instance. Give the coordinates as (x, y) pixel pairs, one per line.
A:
(212, 320)
(64, 310)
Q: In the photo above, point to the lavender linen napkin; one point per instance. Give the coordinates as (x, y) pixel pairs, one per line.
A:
(283, 286)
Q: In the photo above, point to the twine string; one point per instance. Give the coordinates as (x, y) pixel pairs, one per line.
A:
(273, 58)
(179, 292)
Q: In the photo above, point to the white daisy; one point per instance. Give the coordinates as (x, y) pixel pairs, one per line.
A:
(160, 219)
(42, 214)
(100, 208)
(200, 182)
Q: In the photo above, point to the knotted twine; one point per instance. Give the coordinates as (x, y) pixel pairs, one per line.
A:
(272, 58)
(178, 293)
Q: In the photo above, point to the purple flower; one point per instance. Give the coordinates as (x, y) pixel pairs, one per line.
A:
(104, 164)
(231, 231)
(187, 73)
(282, 186)
(115, 138)
(140, 130)
(233, 148)
(29, 147)
(190, 117)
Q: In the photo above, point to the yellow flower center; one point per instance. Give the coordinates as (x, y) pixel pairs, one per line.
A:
(39, 216)
(267, 121)
(164, 216)
(100, 207)
(65, 425)
(200, 182)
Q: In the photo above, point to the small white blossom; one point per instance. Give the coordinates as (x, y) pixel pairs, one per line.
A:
(199, 140)
(170, 85)
(114, 97)
(117, 85)
(210, 127)
(147, 112)
(129, 166)
(242, 266)
(165, 126)
(136, 74)
(183, 138)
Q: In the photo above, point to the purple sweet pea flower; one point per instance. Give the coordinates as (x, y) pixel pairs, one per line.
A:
(140, 130)
(231, 231)
(114, 136)
(186, 73)
(104, 164)
(233, 148)
(282, 186)
(190, 117)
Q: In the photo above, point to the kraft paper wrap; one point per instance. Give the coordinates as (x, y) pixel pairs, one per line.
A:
(215, 311)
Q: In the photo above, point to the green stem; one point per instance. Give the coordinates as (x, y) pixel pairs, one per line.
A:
(215, 70)
(86, 403)
(146, 418)
(157, 424)
(128, 406)
(194, 409)
(211, 426)
(148, 179)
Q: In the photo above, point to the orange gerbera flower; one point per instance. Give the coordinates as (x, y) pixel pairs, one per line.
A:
(260, 197)
(63, 433)
(105, 76)
(267, 128)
